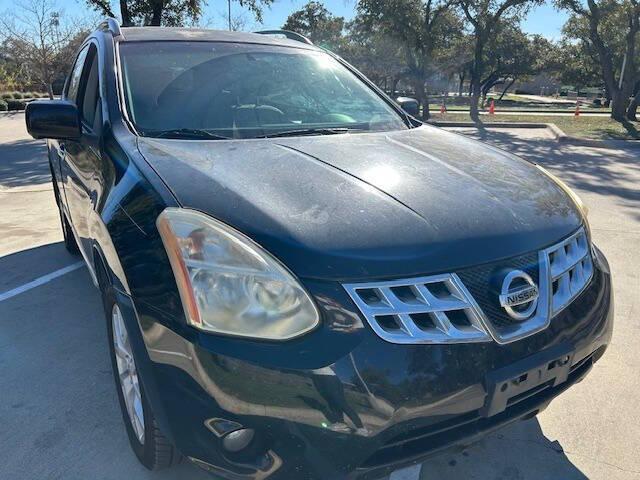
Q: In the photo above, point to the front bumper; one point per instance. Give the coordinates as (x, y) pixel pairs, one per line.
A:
(380, 406)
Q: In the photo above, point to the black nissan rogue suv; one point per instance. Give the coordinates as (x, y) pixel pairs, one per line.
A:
(301, 280)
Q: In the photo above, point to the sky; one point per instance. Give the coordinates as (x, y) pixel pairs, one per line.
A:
(543, 20)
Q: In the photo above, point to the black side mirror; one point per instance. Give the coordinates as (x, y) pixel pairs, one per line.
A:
(409, 105)
(57, 119)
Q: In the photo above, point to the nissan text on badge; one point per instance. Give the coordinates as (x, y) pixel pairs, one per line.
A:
(301, 280)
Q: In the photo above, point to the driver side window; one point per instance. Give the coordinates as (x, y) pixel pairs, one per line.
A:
(73, 83)
(89, 95)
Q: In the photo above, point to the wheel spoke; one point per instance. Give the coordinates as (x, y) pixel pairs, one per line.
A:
(121, 352)
(127, 373)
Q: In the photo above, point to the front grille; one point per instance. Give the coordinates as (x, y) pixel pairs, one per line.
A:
(484, 282)
(570, 267)
(435, 309)
(464, 306)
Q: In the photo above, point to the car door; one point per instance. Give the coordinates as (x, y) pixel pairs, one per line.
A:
(57, 147)
(82, 157)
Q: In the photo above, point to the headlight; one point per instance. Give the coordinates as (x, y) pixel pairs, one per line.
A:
(230, 285)
(574, 196)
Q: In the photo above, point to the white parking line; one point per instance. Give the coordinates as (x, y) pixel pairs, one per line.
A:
(40, 281)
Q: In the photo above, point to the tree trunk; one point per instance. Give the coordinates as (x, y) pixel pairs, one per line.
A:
(425, 108)
(632, 111)
(156, 12)
(486, 86)
(422, 97)
(50, 90)
(477, 70)
(607, 97)
(461, 77)
(509, 85)
(125, 14)
(474, 111)
(618, 105)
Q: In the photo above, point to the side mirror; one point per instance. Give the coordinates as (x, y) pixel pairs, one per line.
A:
(57, 119)
(409, 105)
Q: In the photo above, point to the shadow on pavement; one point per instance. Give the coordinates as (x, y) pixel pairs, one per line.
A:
(518, 452)
(23, 163)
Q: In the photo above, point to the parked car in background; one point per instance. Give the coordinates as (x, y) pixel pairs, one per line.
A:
(300, 280)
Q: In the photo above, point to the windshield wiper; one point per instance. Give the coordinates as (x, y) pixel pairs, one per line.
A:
(186, 133)
(311, 131)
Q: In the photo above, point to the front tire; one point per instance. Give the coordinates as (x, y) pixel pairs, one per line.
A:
(151, 447)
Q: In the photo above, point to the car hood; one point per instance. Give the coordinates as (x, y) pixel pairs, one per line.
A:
(370, 205)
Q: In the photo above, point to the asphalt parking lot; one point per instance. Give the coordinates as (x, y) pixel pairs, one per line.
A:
(59, 417)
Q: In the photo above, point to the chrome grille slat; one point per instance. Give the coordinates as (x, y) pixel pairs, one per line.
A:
(560, 261)
(571, 268)
(421, 301)
(562, 271)
(408, 325)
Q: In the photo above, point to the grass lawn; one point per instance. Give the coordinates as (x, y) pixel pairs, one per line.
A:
(595, 127)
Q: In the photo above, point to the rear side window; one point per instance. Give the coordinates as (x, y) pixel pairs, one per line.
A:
(73, 84)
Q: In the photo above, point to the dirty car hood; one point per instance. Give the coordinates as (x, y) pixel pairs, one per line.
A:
(369, 205)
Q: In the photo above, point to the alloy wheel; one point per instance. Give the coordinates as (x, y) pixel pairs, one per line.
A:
(127, 373)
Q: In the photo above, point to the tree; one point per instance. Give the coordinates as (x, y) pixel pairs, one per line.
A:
(579, 67)
(485, 17)
(510, 55)
(611, 28)
(13, 73)
(171, 13)
(454, 56)
(417, 26)
(41, 41)
(374, 54)
(318, 24)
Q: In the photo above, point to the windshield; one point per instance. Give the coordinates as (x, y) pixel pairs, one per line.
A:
(216, 90)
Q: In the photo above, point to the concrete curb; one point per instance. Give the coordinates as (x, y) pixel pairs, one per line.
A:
(445, 124)
(517, 111)
(589, 142)
(556, 132)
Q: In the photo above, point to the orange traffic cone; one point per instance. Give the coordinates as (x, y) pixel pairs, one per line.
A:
(443, 109)
(492, 107)
(577, 112)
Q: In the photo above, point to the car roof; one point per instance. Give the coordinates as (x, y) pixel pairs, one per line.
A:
(136, 34)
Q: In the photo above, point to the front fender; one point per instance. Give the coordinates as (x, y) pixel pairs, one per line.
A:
(129, 199)
(106, 253)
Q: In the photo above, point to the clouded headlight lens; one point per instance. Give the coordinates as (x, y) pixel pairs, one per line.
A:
(230, 285)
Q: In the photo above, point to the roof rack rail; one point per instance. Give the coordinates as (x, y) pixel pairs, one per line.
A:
(111, 25)
(288, 34)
